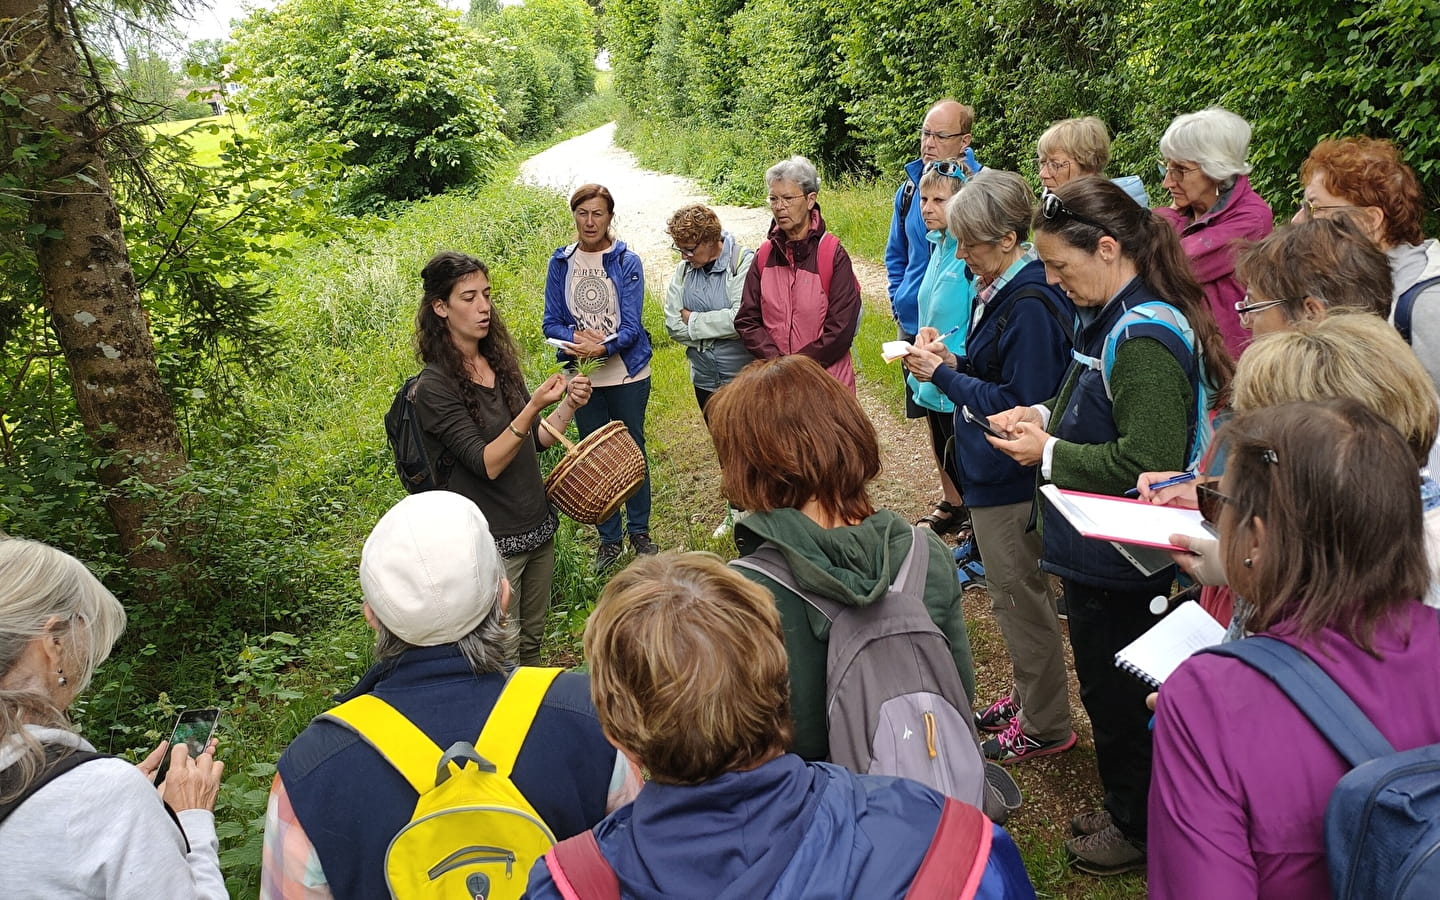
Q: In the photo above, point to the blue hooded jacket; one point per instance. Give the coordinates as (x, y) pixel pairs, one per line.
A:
(628, 275)
(907, 251)
(786, 829)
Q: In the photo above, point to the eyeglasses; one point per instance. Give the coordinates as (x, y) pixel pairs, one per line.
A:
(1174, 170)
(1210, 500)
(685, 252)
(1051, 206)
(1246, 309)
(1311, 209)
(941, 135)
(948, 167)
(779, 200)
(1054, 165)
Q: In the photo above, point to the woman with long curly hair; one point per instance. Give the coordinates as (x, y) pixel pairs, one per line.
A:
(480, 426)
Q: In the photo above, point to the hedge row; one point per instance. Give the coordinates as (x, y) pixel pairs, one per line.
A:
(847, 81)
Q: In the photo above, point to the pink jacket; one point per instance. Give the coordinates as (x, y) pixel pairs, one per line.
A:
(785, 309)
(1212, 241)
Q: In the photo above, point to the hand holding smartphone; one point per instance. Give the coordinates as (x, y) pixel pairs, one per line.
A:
(984, 425)
(194, 728)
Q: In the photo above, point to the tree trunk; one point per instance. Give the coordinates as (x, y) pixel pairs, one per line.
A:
(89, 286)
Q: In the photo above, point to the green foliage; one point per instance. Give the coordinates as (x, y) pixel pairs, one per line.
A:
(630, 33)
(544, 60)
(401, 83)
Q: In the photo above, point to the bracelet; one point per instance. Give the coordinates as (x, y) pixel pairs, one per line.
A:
(522, 435)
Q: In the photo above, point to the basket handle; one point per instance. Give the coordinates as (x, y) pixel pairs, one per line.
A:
(569, 444)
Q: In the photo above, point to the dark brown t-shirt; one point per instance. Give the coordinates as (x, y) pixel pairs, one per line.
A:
(514, 502)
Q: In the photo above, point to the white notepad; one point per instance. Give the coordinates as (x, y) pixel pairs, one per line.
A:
(1125, 521)
(1154, 655)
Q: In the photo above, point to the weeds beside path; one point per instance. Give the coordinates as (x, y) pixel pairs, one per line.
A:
(687, 485)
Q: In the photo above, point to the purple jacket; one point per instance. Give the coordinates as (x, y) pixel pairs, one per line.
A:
(1211, 243)
(1241, 777)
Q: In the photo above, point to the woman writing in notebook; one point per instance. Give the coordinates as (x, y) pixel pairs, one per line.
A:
(1320, 529)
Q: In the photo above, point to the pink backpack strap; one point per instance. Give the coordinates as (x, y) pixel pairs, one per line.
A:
(762, 255)
(580, 870)
(825, 261)
(955, 862)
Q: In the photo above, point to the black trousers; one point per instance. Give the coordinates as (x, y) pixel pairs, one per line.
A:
(1102, 622)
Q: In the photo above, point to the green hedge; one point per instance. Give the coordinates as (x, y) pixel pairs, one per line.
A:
(846, 81)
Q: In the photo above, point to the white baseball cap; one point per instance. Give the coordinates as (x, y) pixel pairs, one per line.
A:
(430, 570)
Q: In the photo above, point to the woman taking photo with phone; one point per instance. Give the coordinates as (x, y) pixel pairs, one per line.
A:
(471, 403)
(1017, 352)
(594, 298)
(74, 823)
(1130, 400)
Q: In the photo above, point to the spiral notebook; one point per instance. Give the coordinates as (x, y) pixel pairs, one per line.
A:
(1157, 653)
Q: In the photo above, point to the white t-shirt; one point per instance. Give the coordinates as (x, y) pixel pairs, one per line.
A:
(595, 304)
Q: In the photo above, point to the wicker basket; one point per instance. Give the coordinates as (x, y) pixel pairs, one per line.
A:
(597, 474)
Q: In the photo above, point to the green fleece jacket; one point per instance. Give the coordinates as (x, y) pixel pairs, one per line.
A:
(853, 565)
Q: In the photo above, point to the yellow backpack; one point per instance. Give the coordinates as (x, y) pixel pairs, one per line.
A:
(472, 829)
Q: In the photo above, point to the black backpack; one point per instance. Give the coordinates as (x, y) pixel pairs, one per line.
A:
(407, 440)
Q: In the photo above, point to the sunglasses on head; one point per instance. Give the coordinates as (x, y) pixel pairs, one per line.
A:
(949, 167)
(1052, 207)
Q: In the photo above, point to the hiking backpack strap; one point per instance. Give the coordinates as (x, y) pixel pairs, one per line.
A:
(824, 262)
(580, 871)
(907, 198)
(954, 864)
(1314, 693)
(55, 766)
(1163, 322)
(1067, 327)
(770, 562)
(1405, 304)
(509, 722)
(408, 749)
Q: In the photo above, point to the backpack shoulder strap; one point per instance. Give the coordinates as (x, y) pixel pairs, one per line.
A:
(408, 749)
(770, 562)
(911, 576)
(509, 722)
(54, 768)
(1030, 293)
(581, 871)
(1405, 304)
(1314, 693)
(907, 198)
(762, 255)
(829, 245)
(954, 864)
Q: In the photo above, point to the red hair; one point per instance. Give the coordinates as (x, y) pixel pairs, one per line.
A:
(1369, 172)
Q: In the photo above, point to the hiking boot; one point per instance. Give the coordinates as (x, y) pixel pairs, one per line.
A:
(642, 545)
(607, 556)
(1013, 745)
(1092, 822)
(1106, 852)
(996, 717)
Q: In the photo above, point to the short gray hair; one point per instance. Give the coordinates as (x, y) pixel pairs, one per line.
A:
(1215, 139)
(992, 204)
(490, 647)
(796, 169)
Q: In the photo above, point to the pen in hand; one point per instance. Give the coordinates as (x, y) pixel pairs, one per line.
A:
(1168, 482)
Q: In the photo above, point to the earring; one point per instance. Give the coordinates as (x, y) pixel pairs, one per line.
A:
(63, 680)
(1248, 562)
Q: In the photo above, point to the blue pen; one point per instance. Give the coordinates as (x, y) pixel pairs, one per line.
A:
(1169, 482)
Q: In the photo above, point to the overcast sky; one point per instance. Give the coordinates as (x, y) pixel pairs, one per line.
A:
(211, 18)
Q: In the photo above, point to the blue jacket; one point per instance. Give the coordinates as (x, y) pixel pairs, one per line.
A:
(787, 829)
(1019, 366)
(946, 300)
(1084, 414)
(907, 252)
(628, 275)
(351, 802)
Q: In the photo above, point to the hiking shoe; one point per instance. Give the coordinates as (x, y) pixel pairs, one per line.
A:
(642, 545)
(607, 556)
(996, 717)
(1092, 822)
(1013, 745)
(971, 574)
(1106, 852)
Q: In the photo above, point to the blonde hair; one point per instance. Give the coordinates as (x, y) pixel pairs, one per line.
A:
(1348, 354)
(1084, 140)
(688, 668)
(44, 591)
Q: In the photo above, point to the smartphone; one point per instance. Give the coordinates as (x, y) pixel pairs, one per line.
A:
(194, 728)
(983, 424)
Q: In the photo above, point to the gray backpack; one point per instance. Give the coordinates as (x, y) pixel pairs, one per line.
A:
(894, 703)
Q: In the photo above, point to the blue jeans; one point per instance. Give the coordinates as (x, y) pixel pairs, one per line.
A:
(625, 402)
